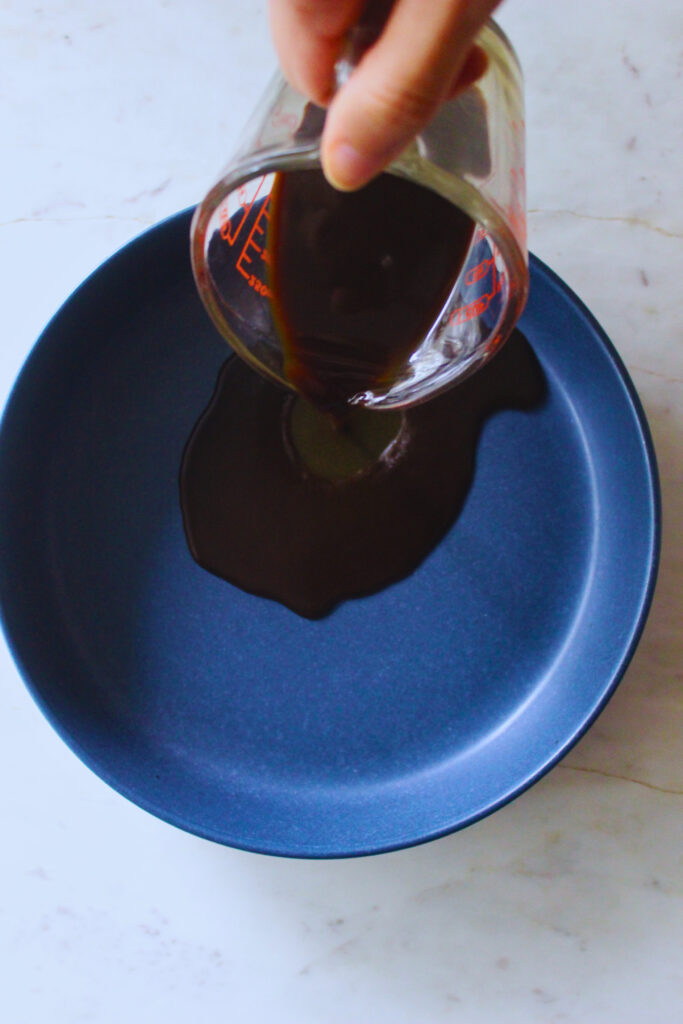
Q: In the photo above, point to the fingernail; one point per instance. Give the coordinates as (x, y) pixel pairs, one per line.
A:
(346, 168)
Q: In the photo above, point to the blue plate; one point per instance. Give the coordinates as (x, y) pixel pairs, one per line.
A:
(399, 717)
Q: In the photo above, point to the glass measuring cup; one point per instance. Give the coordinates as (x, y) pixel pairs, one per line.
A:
(471, 154)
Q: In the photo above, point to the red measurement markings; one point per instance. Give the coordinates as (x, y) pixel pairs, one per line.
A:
(476, 273)
(254, 250)
(281, 119)
(480, 305)
(230, 233)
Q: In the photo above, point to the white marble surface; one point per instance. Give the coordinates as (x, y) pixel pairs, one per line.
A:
(566, 905)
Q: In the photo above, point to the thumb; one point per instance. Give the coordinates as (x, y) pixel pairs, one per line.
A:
(397, 86)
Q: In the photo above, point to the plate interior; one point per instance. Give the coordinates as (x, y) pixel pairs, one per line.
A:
(397, 717)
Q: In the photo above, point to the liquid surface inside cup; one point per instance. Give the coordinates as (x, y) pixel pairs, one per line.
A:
(384, 297)
(377, 298)
(358, 279)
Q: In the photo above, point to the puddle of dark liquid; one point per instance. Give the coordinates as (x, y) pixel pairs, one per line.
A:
(256, 517)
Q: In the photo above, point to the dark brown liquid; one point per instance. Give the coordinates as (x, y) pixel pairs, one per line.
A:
(358, 279)
(311, 502)
(254, 516)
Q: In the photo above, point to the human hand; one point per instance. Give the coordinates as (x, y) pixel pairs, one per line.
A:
(423, 56)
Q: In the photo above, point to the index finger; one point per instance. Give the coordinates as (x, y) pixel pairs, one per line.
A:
(309, 36)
